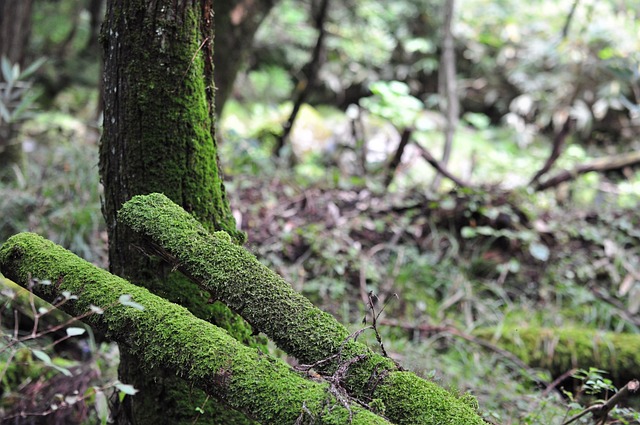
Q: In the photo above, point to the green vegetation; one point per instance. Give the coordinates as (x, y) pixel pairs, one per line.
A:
(236, 278)
(166, 336)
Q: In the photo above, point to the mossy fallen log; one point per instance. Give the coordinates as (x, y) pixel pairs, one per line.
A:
(562, 349)
(166, 336)
(235, 277)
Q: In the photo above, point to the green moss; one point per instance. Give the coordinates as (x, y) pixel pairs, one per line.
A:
(166, 337)
(168, 126)
(562, 349)
(429, 403)
(234, 276)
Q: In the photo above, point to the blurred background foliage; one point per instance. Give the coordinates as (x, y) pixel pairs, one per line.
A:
(445, 261)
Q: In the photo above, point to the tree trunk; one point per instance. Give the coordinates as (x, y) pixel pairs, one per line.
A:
(159, 137)
(447, 87)
(236, 23)
(15, 29)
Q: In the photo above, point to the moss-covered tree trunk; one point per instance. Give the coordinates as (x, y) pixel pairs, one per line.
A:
(159, 137)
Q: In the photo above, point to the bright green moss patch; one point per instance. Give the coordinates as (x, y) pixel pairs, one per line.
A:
(428, 403)
(234, 276)
(562, 349)
(166, 337)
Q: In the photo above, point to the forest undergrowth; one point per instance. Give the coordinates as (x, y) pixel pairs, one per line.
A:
(439, 267)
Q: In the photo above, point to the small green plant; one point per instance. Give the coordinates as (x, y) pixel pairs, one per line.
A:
(37, 378)
(595, 384)
(16, 93)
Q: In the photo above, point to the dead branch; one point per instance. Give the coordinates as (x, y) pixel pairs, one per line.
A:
(607, 163)
(440, 167)
(304, 88)
(558, 145)
(395, 161)
(601, 411)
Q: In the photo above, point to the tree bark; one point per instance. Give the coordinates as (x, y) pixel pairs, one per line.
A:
(234, 276)
(236, 23)
(15, 31)
(447, 87)
(159, 136)
(166, 336)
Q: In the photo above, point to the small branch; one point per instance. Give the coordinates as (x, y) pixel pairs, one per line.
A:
(600, 411)
(304, 88)
(440, 167)
(608, 163)
(567, 23)
(395, 161)
(374, 321)
(558, 145)
(447, 87)
(552, 386)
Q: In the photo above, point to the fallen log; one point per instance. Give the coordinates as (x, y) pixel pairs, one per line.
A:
(166, 336)
(235, 277)
(561, 349)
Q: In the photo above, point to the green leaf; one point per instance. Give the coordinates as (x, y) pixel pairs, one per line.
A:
(468, 232)
(4, 112)
(539, 251)
(126, 388)
(95, 309)
(67, 295)
(32, 68)
(6, 70)
(75, 331)
(102, 408)
(25, 103)
(42, 356)
(125, 299)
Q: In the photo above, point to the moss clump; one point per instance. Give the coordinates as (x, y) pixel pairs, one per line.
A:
(165, 336)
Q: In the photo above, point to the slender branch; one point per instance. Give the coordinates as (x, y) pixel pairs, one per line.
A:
(395, 161)
(312, 69)
(440, 167)
(600, 411)
(558, 145)
(567, 23)
(608, 163)
(552, 386)
(448, 87)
